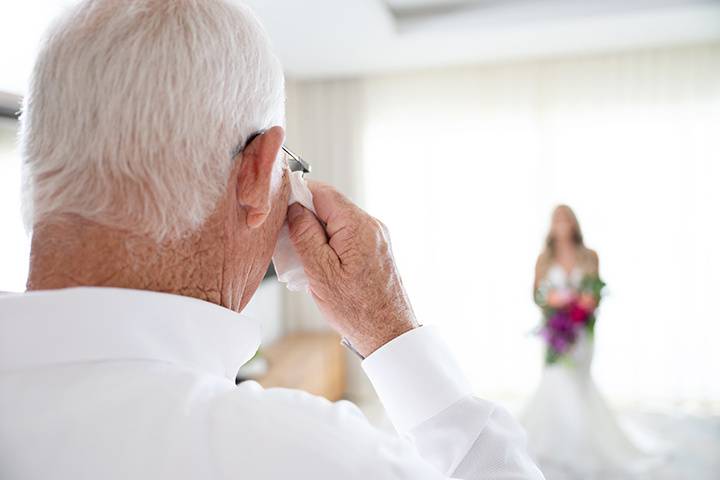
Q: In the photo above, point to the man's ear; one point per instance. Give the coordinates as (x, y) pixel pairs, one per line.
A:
(255, 176)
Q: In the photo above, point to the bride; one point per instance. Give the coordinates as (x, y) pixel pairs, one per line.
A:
(571, 431)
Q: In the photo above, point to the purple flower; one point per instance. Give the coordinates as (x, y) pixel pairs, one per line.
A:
(560, 331)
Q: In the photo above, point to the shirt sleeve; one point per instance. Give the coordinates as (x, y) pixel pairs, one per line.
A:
(430, 402)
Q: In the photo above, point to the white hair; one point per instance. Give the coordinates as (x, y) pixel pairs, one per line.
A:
(137, 108)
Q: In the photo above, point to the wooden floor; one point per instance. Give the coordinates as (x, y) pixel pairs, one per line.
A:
(309, 361)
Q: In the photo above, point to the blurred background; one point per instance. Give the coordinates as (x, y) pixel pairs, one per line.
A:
(460, 124)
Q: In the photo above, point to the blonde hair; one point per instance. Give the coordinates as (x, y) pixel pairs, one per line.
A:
(137, 109)
(585, 256)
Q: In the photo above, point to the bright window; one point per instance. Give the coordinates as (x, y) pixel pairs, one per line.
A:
(464, 166)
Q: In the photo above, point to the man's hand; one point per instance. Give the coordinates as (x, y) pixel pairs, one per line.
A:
(348, 260)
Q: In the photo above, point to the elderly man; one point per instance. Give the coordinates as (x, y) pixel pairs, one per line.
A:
(151, 138)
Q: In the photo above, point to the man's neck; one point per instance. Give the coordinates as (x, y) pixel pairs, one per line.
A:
(80, 253)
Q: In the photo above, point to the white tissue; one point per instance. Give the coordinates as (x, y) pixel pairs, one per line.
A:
(287, 263)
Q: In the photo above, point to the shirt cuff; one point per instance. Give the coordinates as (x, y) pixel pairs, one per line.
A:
(416, 377)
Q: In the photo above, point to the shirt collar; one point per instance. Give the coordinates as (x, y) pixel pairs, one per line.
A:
(89, 324)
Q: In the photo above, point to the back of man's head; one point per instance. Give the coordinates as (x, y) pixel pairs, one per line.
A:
(137, 108)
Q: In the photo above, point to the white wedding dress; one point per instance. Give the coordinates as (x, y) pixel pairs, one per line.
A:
(572, 433)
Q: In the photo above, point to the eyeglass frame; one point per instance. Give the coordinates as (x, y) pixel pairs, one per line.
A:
(300, 164)
(295, 163)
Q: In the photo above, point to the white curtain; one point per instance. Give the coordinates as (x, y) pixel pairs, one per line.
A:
(464, 165)
(14, 243)
(326, 125)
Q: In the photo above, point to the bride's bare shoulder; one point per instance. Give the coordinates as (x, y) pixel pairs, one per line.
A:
(590, 260)
(543, 262)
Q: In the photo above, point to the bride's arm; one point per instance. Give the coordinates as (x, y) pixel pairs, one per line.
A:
(594, 262)
(541, 267)
(539, 274)
(588, 300)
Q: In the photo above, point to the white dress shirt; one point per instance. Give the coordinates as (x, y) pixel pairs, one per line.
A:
(99, 383)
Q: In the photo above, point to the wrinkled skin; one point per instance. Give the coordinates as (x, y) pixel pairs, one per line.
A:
(352, 275)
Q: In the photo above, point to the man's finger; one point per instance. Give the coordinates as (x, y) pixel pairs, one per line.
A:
(330, 205)
(309, 238)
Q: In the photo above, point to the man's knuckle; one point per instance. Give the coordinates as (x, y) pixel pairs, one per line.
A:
(301, 232)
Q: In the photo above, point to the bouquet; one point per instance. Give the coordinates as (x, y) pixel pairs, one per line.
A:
(562, 326)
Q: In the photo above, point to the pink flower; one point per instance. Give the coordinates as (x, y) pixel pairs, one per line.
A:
(578, 314)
